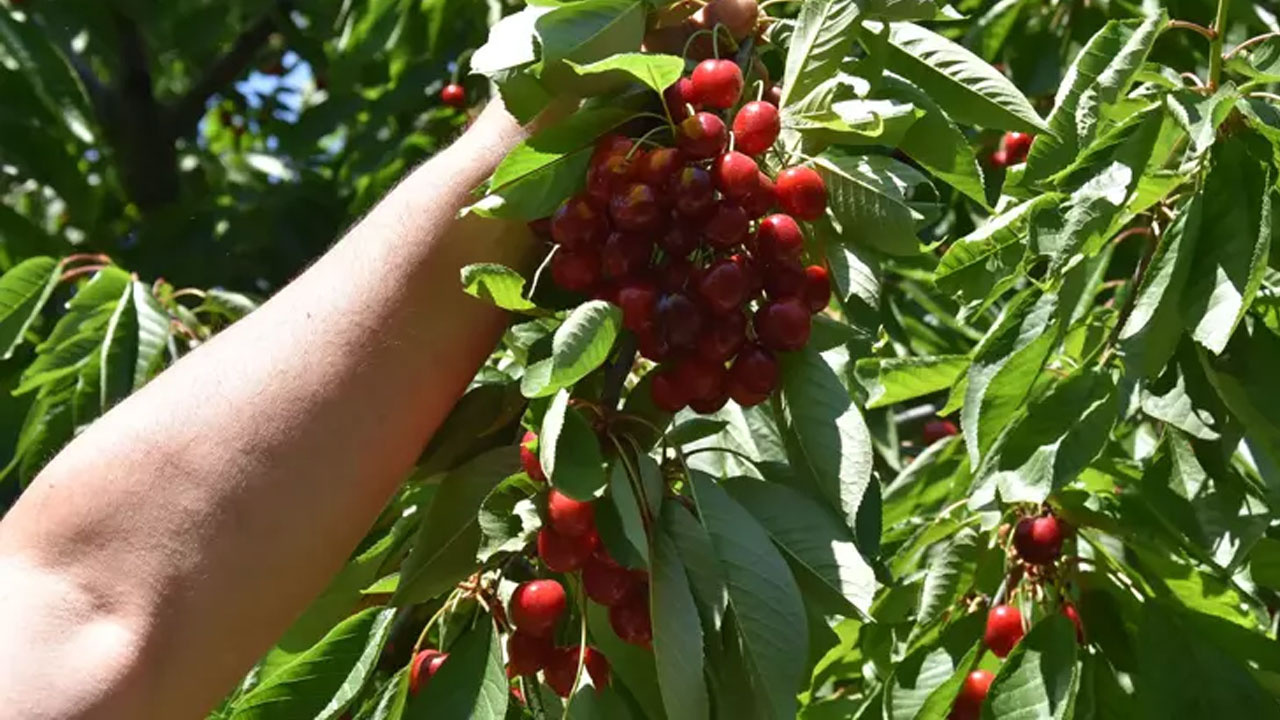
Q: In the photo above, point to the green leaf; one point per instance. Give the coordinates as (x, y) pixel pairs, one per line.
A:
(321, 682)
(633, 666)
(23, 292)
(972, 264)
(569, 450)
(677, 634)
(119, 358)
(937, 143)
(471, 683)
(815, 539)
(444, 550)
(1183, 398)
(961, 83)
(511, 43)
(944, 576)
(654, 70)
(694, 429)
(706, 577)
(867, 196)
(1040, 677)
(832, 443)
(990, 30)
(892, 380)
(154, 330)
(583, 342)
(590, 30)
(926, 682)
(630, 526)
(764, 599)
(49, 72)
(1247, 382)
(1260, 62)
(821, 40)
(498, 284)
(1229, 267)
(508, 517)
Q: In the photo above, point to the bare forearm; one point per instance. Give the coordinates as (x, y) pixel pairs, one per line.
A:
(225, 493)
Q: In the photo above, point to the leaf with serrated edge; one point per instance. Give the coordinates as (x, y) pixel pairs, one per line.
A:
(677, 634)
(497, 284)
(892, 380)
(583, 342)
(24, 289)
(569, 450)
(1040, 677)
(818, 46)
(654, 70)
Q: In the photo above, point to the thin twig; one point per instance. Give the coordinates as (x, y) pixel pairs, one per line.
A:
(1248, 44)
(1208, 33)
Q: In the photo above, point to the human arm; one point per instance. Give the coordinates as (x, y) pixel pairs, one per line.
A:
(168, 546)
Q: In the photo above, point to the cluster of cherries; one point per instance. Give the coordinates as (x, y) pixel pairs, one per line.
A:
(686, 242)
(1014, 149)
(1038, 543)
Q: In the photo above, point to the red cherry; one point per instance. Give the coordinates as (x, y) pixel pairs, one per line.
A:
(701, 380)
(755, 370)
(756, 127)
(677, 274)
(763, 199)
(780, 236)
(727, 227)
(681, 320)
(1038, 540)
(678, 97)
(652, 344)
(1000, 159)
(817, 288)
(724, 287)
(607, 583)
(454, 95)
(784, 325)
(1004, 629)
(635, 208)
(529, 457)
(973, 692)
(802, 193)
(630, 620)
(577, 224)
(711, 406)
(937, 429)
(678, 241)
(659, 167)
(527, 654)
(751, 269)
(611, 144)
(563, 669)
(537, 605)
(563, 554)
(625, 255)
(702, 136)
(736, 175)
(666, 391)
(784, 278)
(743, 395)
(727, 335)
(424, 667)
(693, 191)
(608, 176)
(568, 517)
(576, 271)
(1073, 615)
(718, 83)
(1017, 146)
(773, 95)
(639, 301)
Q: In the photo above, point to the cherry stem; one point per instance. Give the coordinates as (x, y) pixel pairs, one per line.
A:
(81, 271)
(78, 257)
(759, 90)
(464, 57)
(1248, 44)
(422, 636)
(725, 450)
(537, 275)
(715, 40)
(684, 54)
(1197, 28)
(644, 139)
(582, 646)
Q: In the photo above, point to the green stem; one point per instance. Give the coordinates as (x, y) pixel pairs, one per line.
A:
(1215, 45)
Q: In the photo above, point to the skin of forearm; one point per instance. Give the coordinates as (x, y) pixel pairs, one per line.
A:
(180, 534)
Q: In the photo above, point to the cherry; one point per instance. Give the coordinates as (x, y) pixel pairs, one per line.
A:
(1017, 146)
(1073, 615)
(681, 319)
(756, 127)
(529, 457)
(736, 175)
(763, 199)
(727, 227)
(639, 301)
(701, 380)
(428, 661)
(724, 287)
(577, 224)
(717, 83)
(676, 274)
(659, 167)
(611, 174)
(611, 144)
(784, 324)
(739, 17)
(785, 278)
(802, 193)
(666, 391)
(678, 241)
(694, 191)
(973, 692)
(937, 429)
(712, 405)
(678, 97)
(751, 269)
(576, 271)
(568, 517)
(630, 620)
(1038, 540)
(817, 288)
(563, 669)
(454, 95)
(652, 344)
(606, 582)
(743, 395)
(1000, 159)
(755, 370)
(727, 335)
(780, 236)
(537, 605)
(625, 255)
(563, 554)
(636, 208)
(1004, 629)
(702, 136)
(773, 95)
(527, 654)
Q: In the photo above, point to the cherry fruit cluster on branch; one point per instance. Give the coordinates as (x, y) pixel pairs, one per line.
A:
(701, 249)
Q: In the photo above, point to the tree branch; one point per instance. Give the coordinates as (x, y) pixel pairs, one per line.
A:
(226, 69)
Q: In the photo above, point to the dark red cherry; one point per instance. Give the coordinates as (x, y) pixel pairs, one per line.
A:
(693, 191)
(724, 287)
(736, 175)
(679, 97)
(784, 325)
(576, 271)
(639, 303)
(681, 319)
(727, 227)
(702, 136)
(761, 200)
(679, 240)
(578, 223)
(454, 95)
(784, 278)
(756, 127)
(725, 337)
(625, 255)
(659, 167)
(701, 380)
(817, 288)
(666, 391)
(636, 208)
